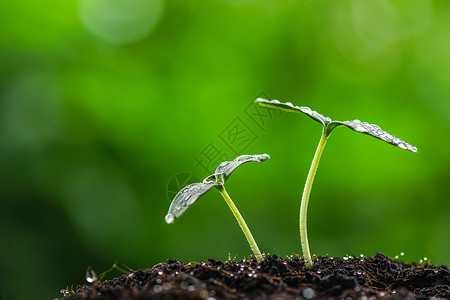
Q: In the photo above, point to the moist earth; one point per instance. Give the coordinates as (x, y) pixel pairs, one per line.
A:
(350, 277)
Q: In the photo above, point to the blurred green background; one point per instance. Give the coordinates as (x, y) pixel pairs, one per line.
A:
(103, 102)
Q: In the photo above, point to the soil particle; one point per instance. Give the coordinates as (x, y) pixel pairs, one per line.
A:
(351, 277)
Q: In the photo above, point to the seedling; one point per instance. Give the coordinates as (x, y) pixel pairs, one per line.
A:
(92, 277)
(327, 127)
(191, 193)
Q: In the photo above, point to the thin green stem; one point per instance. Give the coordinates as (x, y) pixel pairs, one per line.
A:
(242, 223)
(305, 198)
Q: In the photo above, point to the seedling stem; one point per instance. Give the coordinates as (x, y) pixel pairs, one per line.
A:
(241, 222)
(305, 197)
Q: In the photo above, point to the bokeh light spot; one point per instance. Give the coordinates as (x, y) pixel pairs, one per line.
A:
(120, 22)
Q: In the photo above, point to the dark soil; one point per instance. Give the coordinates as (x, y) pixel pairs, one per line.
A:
(351, 277)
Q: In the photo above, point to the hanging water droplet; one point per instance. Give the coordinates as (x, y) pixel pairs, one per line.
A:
(169, 218)
(91, 276)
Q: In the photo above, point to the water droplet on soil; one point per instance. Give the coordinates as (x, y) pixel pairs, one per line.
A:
(191, 288)
(308, 293)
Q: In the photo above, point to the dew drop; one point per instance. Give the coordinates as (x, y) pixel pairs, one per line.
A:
(160, 272)
(289, 104)
(91, 276)
(306, 110)
(191, 288)
(64, 292)
(360, 128)
(157, 289)
(308, 293)
(169, 218)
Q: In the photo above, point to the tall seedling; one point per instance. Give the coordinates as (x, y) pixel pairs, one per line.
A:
(327, 127)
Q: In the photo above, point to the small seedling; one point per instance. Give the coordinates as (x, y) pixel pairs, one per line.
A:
(92, 277)
(327, 127)
(191, 193)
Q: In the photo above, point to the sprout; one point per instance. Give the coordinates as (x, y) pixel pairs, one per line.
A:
(327, 127)
(191, 193)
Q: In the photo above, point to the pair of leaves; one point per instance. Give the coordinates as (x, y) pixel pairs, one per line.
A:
(190, 194)
(329, 125)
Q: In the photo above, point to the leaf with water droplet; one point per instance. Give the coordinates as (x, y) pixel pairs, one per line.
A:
(355, 125)
(227, 167)
(288, 106)
(186, 197)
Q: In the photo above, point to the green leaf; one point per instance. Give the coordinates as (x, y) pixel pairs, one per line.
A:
(186, 197)
(328, 124)
(190, 194)
(288, 106)
(227, 167)
(375, 131)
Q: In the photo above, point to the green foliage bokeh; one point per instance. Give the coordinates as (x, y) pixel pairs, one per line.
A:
(103, 102)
